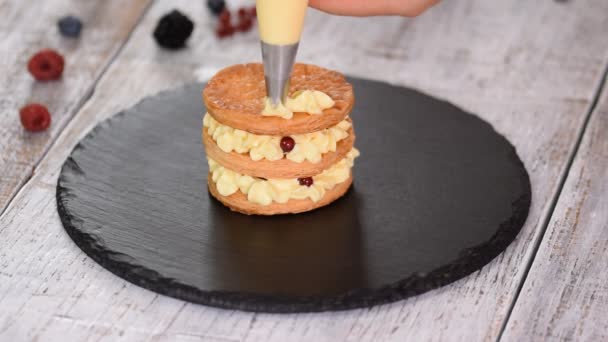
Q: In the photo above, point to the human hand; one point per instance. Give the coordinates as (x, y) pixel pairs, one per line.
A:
(364, 8)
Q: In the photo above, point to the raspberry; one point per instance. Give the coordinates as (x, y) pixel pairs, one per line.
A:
(308, 181)
(70, 26)
(216, 6)
(173, 29)
(46, 65)
(287, 144)
(35, 117)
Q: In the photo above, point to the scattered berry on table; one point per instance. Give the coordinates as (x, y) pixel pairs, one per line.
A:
(35, 117)
(46, 65)
(224, 30)
(306, 181)
(216, 6)
(245, 24)
(287, 144)
(70, 26)
(225, 17)
(173, 29)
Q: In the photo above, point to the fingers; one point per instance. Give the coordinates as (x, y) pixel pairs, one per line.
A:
(408, 8)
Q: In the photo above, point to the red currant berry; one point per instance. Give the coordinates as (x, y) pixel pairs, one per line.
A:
(306, 181)
(243, 13)
(35, 117)
(220, 32)
(225, 17)
(287, 144)
(224, 31)
(245, 24)
(253, 12)
(46, 65)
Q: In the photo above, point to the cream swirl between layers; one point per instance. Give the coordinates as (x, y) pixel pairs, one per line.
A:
(309, 146)
(305, 101)
(265, 191)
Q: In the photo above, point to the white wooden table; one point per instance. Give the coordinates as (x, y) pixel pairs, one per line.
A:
(534, 69)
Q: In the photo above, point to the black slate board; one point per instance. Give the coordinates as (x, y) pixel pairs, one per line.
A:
(437, 195)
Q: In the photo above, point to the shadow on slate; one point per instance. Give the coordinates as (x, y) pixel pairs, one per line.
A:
(437, 195)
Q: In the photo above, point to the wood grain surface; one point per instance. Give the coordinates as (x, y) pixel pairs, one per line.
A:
(565, 296)
(28, 27)
(530, 68)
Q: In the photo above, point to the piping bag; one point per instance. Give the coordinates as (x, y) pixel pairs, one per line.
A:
(280, 23)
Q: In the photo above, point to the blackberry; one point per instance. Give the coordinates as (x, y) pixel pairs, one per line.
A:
(173, 29)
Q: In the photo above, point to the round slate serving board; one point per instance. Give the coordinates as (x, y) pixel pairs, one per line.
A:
(437, 195)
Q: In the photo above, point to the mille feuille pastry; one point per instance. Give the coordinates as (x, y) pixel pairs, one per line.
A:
(267, 160)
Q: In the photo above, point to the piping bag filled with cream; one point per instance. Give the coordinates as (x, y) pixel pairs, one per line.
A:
(280, 23)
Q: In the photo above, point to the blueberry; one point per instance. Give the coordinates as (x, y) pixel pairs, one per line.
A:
(216, 6)
(173, 29)
(70, 26)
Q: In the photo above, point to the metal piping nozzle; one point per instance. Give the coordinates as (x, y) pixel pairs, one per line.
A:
(278, 64)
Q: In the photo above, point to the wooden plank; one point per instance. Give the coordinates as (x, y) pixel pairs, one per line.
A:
(530, 68)
(565, 297)
(28, 27)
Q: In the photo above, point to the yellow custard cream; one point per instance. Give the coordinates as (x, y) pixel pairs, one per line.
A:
(264, 192)
(281, 21)
(305, 101)
(309, 146)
